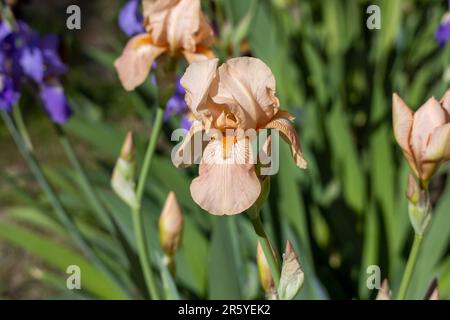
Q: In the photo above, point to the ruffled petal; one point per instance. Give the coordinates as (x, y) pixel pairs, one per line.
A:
(197, 82)
(282, 123)
(227, 183)
(134, 65)
(247, 86)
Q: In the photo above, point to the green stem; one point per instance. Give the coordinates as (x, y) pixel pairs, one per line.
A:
(267, 249)
(89, 191)
(137, 216)
(61, 213)
(412, 259)
(20, 123)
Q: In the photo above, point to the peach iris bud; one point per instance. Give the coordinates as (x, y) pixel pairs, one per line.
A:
(174, 28)
(231, 100)
(424, 136)
(170, 228)
(265, 276)
(384, 293)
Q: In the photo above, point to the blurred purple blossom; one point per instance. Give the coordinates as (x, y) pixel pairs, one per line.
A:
(130, 18)
(443, 32)
(177, 105)
(25, 56)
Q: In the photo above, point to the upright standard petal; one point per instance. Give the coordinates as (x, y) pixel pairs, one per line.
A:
(55, 102)
(403, 118)
(227, 184)
(247, 86)
(197, 82)
(134, 65)
(32, 63)
(282, 123)
(429, 116)
(178, 24)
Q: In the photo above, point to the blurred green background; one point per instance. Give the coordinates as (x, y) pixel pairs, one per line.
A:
(346, 212)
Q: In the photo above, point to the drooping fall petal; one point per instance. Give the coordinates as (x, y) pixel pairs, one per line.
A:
(134, 65)
(284, 126)
(227, 183)
(403, 118)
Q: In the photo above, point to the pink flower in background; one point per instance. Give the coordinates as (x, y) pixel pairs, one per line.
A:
(174, 27)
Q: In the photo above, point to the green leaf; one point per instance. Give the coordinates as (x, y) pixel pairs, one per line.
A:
(59, 257)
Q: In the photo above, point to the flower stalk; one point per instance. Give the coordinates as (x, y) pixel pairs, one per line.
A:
(267, 249)
(410, 265)
(136, 210)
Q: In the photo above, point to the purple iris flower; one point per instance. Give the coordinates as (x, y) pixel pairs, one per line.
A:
(55, 102)
(177, 105)
(8, 93)
(25, 56)
(130, 19)
(443, 32)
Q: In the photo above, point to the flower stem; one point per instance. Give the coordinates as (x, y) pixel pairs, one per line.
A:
(136, 211)
(267, 249)
(89, 191)
(61, 213)
(412, 259)
(20, 123)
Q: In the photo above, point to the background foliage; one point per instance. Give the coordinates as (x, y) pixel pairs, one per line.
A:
(346, 212)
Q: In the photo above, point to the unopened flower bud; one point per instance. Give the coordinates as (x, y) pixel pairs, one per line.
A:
(292, 276)
(170, 225)
(384, 293)
(433, 291)
(122, 180)
(265, 276)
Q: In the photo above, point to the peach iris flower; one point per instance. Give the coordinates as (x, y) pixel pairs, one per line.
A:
(424, 136)
(239, 95)
(173, 27)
